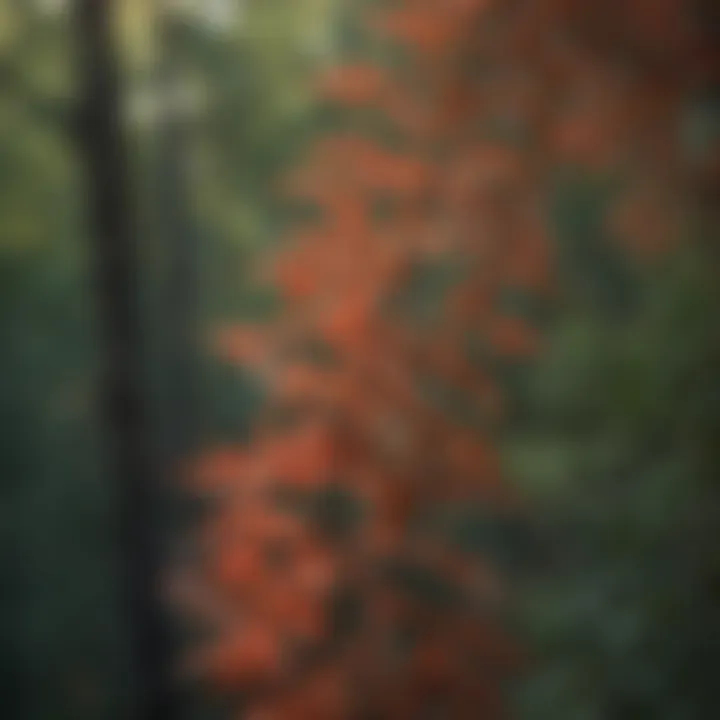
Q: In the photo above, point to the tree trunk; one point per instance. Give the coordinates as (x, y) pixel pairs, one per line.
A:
(112, 226)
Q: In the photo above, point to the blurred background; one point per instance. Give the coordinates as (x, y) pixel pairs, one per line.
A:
(552, 161)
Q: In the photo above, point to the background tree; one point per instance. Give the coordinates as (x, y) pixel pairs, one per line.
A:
(66, 653)
(112, 224)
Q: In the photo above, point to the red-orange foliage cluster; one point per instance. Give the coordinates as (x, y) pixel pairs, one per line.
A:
(379, 427)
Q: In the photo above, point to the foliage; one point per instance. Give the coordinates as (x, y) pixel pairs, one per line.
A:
(620, 462)
(332, 572)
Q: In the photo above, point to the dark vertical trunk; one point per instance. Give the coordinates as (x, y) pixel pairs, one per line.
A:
(112, 227)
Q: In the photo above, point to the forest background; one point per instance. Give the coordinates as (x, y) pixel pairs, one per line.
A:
(609, 557)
